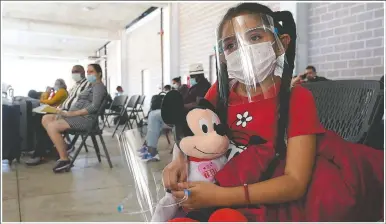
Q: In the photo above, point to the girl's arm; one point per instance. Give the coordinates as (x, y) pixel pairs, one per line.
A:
(291, 186)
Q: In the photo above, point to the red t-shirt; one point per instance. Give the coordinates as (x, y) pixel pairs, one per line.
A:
(260, 116)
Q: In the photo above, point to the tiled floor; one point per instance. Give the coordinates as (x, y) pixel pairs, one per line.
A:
(90, 192)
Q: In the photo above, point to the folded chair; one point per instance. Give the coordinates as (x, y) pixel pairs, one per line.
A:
(116, 108)
(130, 114)
(92, 132)
(139, 108)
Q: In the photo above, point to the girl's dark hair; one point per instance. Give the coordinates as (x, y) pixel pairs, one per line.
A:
(97, 68)
(177, 79)
(288, 27)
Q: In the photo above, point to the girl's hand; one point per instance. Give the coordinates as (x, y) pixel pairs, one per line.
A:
(175, 172)
(202, 195)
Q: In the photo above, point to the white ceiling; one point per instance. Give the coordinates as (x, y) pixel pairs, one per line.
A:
(67, 29)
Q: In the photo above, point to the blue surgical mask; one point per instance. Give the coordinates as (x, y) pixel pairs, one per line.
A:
(56, 88)
(193, 82)
(76, 77)
(91, 78)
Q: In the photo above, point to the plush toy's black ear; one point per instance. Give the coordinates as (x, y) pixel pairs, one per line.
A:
(172, 109)
(206, 104)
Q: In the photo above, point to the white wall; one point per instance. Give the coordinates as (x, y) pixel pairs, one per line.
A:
(25, 74)
(114, 65)
(144, 52)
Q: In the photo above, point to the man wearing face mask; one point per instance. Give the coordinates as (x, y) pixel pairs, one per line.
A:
(182, 88)
(199, 85)
(43, 142)
(78, 75)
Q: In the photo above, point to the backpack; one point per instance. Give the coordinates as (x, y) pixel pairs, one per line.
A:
(156, 101)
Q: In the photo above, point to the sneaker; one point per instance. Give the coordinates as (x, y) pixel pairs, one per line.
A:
(143, 150)
(147, 157)
(34, 161)
(61, 165)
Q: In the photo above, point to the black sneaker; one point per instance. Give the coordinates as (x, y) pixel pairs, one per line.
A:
(61, 165)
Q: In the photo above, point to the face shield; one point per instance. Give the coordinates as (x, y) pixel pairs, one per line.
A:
(147, 199)
(250, 58)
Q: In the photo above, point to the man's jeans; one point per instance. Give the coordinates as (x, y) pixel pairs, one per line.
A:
(154, 128)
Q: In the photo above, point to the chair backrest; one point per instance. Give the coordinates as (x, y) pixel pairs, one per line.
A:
(133, 101)
(119, 101)
(100, 112)
(346, 106)
(141, 100)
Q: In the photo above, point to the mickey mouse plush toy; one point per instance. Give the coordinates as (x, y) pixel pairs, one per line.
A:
(201, 136)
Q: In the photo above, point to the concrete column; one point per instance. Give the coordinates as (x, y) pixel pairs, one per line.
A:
(174, 40)
(124, 60)
(300, 13)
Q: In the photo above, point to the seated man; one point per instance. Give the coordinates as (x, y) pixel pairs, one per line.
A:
(43, 142)
(309, 75)
(182, 88)
(119, 91)
(167, 88)
(199, 86)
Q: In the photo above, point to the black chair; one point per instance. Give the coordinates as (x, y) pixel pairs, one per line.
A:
(116, 108)
(128, 113)
(93, 132)
(347, 107)
(139, 108)
(376, 134)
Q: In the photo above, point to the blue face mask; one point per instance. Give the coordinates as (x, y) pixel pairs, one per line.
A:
(56, 88)
(91, 78)
(193, 82)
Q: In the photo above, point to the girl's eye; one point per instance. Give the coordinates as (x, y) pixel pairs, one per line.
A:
(229, 46)
(255, 37)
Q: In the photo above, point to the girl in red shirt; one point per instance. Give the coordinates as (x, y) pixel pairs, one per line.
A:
(284, 165)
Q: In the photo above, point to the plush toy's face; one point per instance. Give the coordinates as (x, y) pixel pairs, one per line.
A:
(209, 140)
(199, 132)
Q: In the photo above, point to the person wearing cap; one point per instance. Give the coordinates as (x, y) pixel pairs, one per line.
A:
(199, 86)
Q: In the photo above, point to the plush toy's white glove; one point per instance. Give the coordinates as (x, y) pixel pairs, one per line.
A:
(163, 212)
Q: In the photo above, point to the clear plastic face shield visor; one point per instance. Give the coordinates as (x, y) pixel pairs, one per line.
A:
(250, 57)
(147, 199)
